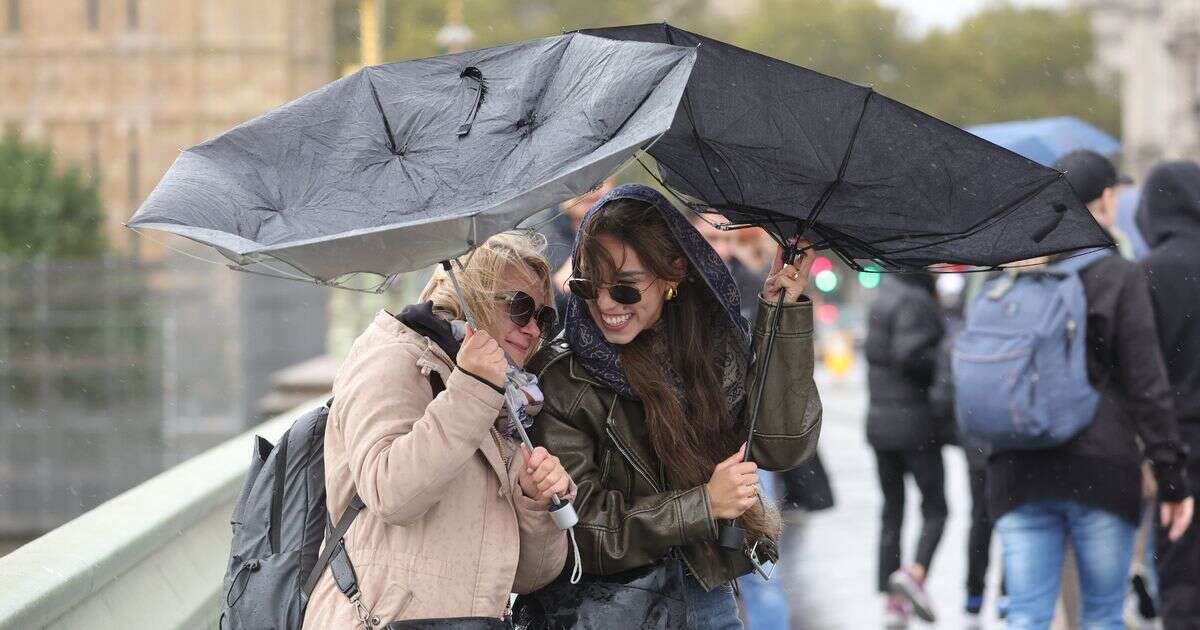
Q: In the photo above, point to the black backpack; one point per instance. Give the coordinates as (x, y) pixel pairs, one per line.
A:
(279, 522)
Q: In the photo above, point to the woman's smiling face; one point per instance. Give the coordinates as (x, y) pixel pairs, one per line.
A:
(621, 323)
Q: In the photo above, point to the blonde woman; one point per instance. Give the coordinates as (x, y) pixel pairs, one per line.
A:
(456, 514)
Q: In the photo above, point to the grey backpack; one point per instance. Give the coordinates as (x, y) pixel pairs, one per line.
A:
(279, 522)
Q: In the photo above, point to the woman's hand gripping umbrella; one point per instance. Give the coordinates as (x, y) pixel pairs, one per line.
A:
(786, 282)
(515, 401)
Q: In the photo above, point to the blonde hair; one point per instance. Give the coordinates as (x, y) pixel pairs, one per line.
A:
(519, 252)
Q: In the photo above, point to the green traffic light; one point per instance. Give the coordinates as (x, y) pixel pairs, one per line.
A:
(870, 277)
(826, 281)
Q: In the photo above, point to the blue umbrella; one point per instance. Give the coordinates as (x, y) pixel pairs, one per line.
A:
(1045, 140)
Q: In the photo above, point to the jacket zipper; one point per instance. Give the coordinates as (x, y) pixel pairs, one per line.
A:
(500, 447)
(624, 450)
(610, 429)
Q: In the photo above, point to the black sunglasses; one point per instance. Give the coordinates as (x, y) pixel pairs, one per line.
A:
(620, 293)
(522, 308)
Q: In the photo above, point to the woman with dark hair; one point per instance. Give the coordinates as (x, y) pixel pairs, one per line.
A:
(648, 398)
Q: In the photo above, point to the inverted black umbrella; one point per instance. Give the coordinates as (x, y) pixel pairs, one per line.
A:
(400, 166)
(801, 154)
(767, 143)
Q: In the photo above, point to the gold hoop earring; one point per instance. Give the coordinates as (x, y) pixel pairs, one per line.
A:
(671, 293)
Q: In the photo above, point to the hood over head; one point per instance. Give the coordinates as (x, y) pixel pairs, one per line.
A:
(601, 358)
(1170, 202)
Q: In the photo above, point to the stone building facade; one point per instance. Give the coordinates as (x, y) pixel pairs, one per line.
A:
(1154, 48)
(125, 365)
(120, 86)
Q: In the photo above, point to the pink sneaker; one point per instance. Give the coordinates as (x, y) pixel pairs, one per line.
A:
(895, 613)
(902, 584)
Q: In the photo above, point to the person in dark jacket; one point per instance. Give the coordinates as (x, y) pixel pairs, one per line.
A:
(903, 337)
(648, 396)
(1088, 491)
(1169, 218)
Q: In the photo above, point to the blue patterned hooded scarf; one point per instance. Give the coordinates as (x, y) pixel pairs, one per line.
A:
(601, 358)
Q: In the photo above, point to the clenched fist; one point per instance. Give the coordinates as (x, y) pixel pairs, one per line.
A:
(543, 476)
(481, 355)
(733, 487)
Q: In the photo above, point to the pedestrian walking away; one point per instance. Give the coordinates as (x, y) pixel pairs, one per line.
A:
(646, 402)
(1169, 217)
(903, 336)
(1080, 487)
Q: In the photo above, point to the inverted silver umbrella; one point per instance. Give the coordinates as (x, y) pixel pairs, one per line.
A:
(400, 166)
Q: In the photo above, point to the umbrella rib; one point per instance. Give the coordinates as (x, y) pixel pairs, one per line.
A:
(825, 196)
(978, 227)
(700, 141)
(767, 214)
(387, 127)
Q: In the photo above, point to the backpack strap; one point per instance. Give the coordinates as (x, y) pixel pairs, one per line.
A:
(334, 554)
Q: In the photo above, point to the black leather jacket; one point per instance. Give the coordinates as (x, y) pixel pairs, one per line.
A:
(628, 517)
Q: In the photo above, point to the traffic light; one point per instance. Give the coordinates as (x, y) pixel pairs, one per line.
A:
(870, 276)
(826, 281)
(827, 314)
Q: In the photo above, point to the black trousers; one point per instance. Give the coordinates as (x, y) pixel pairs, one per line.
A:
(979, 537)
(1179, 569)
(927, 470)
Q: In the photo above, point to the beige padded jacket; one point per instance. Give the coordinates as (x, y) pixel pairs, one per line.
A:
(446, 531)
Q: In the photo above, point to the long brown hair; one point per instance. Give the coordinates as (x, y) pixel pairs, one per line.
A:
(691, 428)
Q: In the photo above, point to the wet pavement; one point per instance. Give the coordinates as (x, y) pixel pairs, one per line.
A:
(829, 557)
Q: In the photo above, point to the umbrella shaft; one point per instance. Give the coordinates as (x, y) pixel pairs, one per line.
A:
(760, 368)
(510, 386)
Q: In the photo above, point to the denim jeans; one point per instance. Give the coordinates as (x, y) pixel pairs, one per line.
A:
(1034, 537)
(765, 600)
(715, 610)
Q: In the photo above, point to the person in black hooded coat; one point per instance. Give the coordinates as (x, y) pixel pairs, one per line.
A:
(1169, 218)
(903, 336)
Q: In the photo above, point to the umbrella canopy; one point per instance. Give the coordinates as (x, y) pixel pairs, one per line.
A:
(797, 152)
(399, 166)
(1045, 140)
